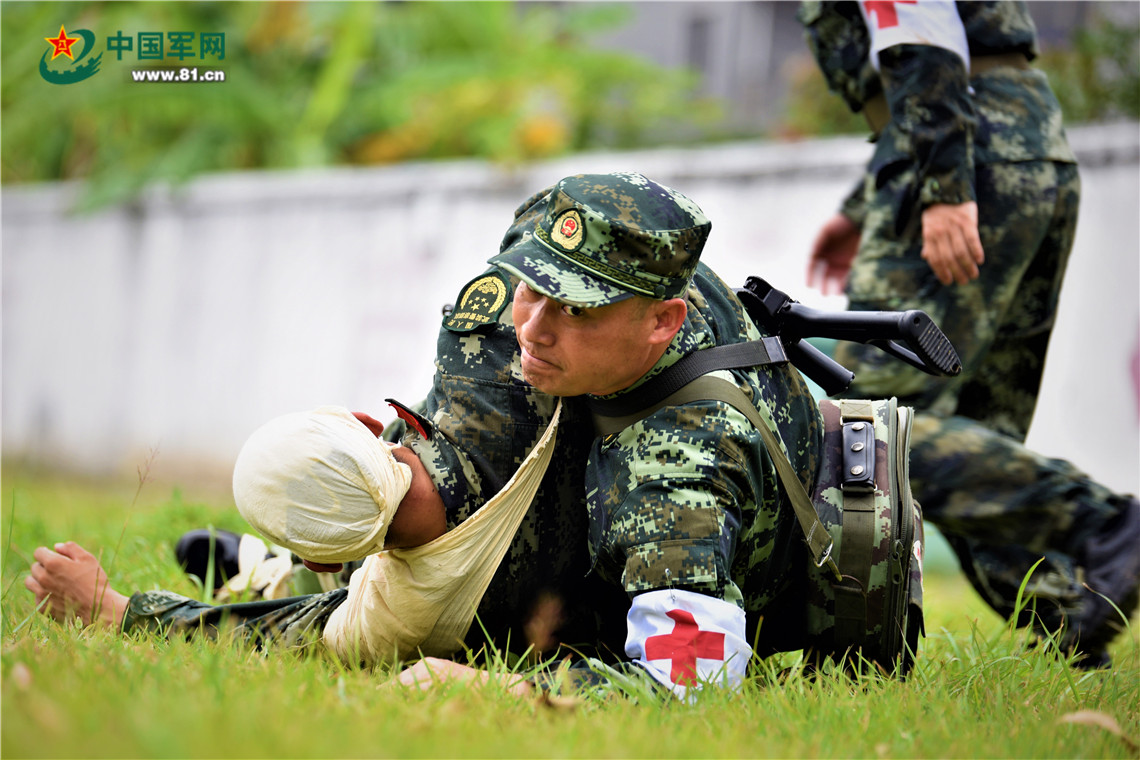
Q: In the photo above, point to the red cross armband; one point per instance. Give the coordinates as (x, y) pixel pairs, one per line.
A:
(914, 22)
(687, 640)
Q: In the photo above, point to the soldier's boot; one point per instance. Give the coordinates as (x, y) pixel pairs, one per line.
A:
(1112, 573)
(194, 550)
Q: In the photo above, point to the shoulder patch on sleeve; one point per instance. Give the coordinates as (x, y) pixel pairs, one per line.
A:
(480, 303)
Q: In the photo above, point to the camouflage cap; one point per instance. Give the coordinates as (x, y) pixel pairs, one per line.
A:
(594, 239)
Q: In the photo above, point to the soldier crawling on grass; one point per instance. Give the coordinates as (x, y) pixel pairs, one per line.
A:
(704, 536)
(675, 532)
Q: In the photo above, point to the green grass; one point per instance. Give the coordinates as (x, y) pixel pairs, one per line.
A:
(976, 692)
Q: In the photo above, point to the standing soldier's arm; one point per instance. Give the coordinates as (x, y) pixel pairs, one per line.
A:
(922, 56)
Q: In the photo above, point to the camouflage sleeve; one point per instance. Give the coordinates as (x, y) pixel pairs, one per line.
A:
(485, 416)
(999, 26)
(927, 91)
(854, 206)
(678, 486)
(838, 39)
(932, 116)
(485, 419)
(295, 621)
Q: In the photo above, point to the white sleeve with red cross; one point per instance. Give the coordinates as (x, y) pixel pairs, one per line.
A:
(685, 639)
(914, 22)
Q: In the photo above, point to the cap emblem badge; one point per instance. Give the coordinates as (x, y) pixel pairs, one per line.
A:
(568, 232)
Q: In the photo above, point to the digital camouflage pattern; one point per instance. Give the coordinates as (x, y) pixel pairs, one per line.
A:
(999, 323)
(884, 618)
(600, 238)
(293, 623)
(688, 497)
(486, 419)
(938, 128)
(1004, 144)
(1001, 506)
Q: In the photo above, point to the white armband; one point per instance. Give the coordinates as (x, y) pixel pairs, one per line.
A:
(685, 639)
(915, 22)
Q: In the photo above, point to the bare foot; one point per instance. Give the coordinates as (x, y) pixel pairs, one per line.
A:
(69, 582)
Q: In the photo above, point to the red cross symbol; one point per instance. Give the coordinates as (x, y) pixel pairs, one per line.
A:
(884, 10)
(683, 646)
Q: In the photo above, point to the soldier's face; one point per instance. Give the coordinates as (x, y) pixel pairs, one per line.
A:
(568, 351)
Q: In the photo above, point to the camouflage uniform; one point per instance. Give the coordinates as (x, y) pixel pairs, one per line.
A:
(996, 138)
(482, 419)
(689, 498)
(686, 500)
(295, 622)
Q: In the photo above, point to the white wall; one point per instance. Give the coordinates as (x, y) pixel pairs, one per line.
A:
(185, 320)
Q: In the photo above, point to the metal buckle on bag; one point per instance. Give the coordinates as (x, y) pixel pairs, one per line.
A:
(858, 457)
(827, 560)
(826, 555)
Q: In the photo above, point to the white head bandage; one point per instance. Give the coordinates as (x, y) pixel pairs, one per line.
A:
(423, 600)
(320, 484)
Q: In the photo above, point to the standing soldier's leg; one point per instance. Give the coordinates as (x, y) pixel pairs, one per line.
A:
(1034, 209)
(1002, 506)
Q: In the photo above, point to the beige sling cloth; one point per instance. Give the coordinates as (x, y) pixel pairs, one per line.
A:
(406, 602)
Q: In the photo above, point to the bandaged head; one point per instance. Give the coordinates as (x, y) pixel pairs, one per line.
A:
(320, 484)
(423, 599)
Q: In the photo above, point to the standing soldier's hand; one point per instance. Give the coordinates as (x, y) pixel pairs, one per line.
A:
(832, 254)
(950, 241)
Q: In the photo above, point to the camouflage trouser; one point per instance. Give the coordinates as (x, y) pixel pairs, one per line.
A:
(295, 622)
(1001, 506)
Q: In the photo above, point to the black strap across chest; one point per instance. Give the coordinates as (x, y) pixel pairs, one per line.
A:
(753, 353)
(687, 381)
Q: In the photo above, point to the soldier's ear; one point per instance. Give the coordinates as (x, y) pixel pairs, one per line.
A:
(668, 316)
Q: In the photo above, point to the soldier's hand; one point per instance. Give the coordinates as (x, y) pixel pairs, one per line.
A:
(433, 672)
(68, 582)
(832, 254)
(950, 242)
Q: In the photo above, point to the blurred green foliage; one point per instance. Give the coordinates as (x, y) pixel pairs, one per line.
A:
(320, 83)
(1098, 77)
(811, 110)
(364, 83)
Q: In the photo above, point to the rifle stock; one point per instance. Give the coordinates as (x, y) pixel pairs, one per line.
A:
(911, 336)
